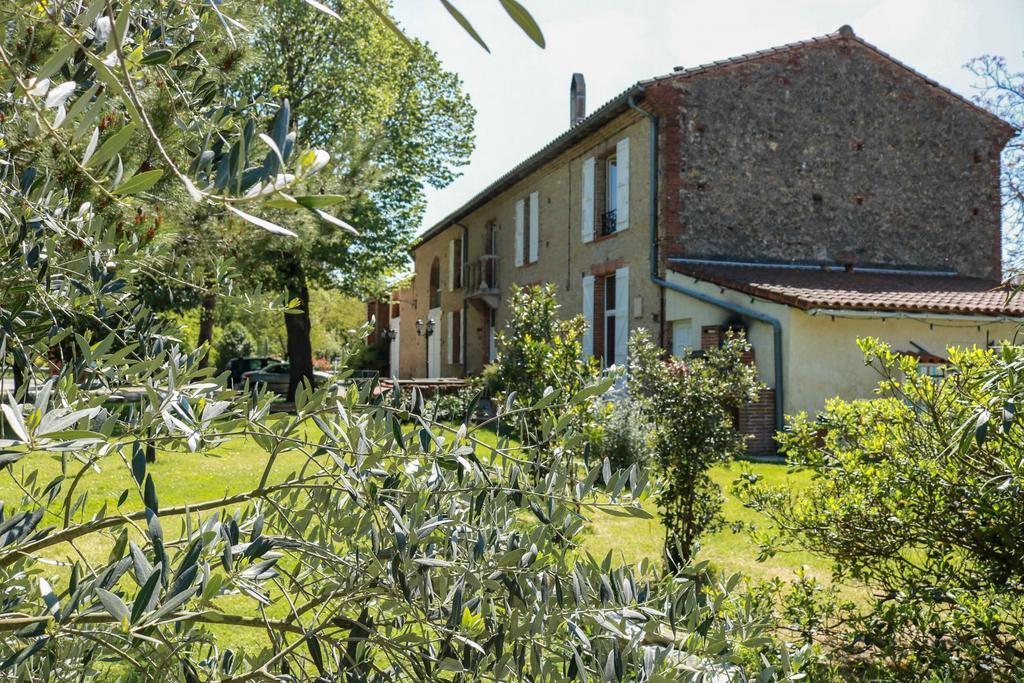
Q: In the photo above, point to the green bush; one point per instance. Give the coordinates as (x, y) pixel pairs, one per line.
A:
(453, 406)
(540, 361)
(916, 496)
(621, 434)
(691, 406)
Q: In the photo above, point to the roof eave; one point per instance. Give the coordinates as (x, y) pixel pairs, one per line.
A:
(602, 115)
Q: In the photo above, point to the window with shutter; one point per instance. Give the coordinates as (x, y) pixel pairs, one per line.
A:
(610, 318)
(448, 337)
(588, 199)
(457, 270)
(534, 242)
(520, 227)
(457, 337)
(588, 315)
(621, 344)
(451, 265)
(621, 185)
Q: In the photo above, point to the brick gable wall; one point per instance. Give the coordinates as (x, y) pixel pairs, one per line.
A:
(826, 153)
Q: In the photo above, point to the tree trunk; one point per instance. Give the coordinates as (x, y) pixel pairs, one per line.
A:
(297, 325)
(206, 320)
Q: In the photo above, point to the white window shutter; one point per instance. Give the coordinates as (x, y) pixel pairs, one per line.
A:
(621, 314)
(622, 185)
(588, 315)
(520, 216)
(451, 337)
(588, 200)
(451, 265)
(534, 226)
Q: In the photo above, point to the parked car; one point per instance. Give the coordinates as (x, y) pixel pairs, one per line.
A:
(239, 366)
(276, 377)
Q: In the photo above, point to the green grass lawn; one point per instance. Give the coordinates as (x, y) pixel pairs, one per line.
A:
(636, 539)
(194, 477)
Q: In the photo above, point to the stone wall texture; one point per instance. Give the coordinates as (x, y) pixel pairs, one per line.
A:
(827, 153)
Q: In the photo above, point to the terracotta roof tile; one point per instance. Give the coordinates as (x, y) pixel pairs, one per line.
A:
(905, 292)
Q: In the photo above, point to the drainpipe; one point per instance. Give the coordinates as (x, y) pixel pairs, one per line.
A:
(696, 293)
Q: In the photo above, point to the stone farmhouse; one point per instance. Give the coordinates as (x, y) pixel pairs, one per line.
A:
(809, 194)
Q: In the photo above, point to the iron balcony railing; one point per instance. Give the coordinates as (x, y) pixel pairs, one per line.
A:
(608, 222)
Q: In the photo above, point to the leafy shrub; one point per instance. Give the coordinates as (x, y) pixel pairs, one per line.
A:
(540, 359)
(691, 406)
(452, 406)
(621, 434)
(917, 496)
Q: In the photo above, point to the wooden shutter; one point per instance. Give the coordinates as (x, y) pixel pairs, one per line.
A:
(588, 200)
(451, 265)
(520, 216)
(621, 314)
(622, 185)
(534, 226)
(588, 315)
(449, 338)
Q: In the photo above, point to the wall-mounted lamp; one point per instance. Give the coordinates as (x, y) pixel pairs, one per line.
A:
(388, 335)
(425, 329)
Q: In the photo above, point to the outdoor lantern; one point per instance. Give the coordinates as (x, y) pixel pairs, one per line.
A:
(425, 329)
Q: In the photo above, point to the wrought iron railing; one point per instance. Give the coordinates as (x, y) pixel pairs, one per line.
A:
(608, 222)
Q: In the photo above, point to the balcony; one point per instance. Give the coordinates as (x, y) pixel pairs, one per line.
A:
(608, 222)
(481, 280)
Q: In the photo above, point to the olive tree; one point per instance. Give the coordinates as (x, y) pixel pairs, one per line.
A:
(397, 549)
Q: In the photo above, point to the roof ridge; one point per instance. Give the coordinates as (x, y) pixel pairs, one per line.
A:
(845, 32)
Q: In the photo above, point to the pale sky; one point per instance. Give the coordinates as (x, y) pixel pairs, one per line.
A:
(521, 92)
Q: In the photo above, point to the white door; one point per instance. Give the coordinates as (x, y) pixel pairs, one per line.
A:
(434, 345)
(393, 349)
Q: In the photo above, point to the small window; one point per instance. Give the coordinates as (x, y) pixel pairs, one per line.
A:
(609, 319)
(936, 371)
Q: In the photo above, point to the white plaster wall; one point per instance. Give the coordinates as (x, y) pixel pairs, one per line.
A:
(820, 354)
(824, 360)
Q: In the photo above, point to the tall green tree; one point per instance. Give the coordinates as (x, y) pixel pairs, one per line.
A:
(393, 121)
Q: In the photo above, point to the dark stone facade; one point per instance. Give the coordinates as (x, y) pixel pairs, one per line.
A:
(830, 152)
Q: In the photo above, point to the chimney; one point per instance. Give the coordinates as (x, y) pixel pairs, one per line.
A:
(577, 99)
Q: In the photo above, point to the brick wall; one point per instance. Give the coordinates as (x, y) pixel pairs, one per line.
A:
(756, 419)
(829, 152)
